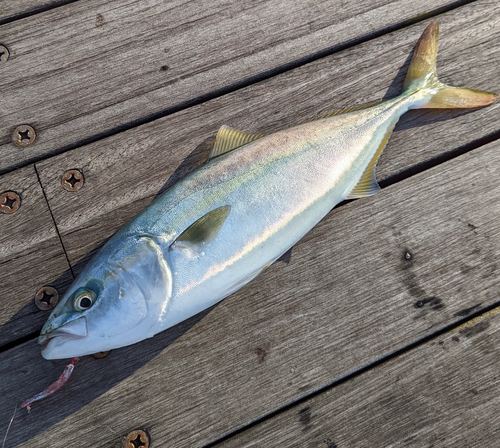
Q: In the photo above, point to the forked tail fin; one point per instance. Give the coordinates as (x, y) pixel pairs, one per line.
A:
(422, 75)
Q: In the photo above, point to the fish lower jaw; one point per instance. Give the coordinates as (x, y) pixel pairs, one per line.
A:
(45, 339)
(53, 347)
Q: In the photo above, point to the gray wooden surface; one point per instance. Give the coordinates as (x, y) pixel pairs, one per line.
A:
(120, 180)
(91, 67)
(31, 256)
(347, 297)
(11, 10)
(444, 394)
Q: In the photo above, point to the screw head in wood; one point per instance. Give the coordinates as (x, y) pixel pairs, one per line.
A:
(4, 54)
(100, 355)
(10, 202)
(136, 439)
(46, 298)
(23, 135)
(72, 180)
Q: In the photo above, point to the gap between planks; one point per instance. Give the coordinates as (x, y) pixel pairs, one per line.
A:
(301, 333)
(13, 10)
(440, 394)
(475, 318)
(81, 126)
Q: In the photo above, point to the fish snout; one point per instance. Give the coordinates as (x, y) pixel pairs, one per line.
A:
(76, 329)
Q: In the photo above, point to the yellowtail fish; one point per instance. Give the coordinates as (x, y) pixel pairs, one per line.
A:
(218, 228)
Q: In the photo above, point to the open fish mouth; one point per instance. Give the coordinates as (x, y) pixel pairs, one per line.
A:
(76, 329)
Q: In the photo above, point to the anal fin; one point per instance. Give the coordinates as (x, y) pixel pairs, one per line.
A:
(367, 184)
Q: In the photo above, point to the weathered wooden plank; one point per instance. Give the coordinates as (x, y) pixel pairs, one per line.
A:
(348, 297)
(91, 66)
(125, 172)
(31, 256)
(444, 394)
(11, 9)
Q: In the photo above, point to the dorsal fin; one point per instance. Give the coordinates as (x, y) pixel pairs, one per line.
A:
(349, 109)
(228, 139)
(367, 184)
(202, 231)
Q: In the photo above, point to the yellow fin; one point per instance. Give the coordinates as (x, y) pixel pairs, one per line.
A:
(367, 184)
(349, 109)
(228, 139)
(423, 61)
(203, 230)
(459, 98)
(345, 110)
(422, 75)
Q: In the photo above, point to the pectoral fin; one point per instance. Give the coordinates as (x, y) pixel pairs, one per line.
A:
(228, 139)
(202, 231)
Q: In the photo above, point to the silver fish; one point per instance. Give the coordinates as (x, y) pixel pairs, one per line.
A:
(218, 228)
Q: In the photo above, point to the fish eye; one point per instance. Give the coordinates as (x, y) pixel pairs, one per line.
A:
(84, 299)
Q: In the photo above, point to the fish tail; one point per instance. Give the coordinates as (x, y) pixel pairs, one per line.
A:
(422, 77)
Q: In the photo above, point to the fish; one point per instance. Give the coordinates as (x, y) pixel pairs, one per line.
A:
(219, 227)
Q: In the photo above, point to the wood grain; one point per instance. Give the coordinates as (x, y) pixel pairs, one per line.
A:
(445, 393)
(125, 172)
(12, 9)
(89, 67)
(31, 256)
(348, 297)
(113, 165)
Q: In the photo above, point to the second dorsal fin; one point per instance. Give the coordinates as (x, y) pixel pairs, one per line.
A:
(367, 184)
(349, 109)
(228, 139)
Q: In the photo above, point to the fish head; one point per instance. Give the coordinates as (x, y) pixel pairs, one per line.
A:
(115, 302)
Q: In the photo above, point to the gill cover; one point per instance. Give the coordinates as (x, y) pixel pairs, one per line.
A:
(115, 302)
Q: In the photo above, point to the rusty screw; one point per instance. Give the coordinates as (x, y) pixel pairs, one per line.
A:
(4, 54)
(23, 135)
(100, 355)
(72, 180)
(9, 202)
(136, 439)
(46, 298)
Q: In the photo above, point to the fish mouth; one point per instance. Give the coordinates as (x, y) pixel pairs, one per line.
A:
(76, 329)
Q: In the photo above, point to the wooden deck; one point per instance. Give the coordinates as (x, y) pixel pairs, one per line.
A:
(381, 330)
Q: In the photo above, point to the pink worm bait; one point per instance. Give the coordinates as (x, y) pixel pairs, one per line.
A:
(54, 387)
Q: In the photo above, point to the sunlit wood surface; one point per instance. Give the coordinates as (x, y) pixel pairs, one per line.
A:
(381, 328)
